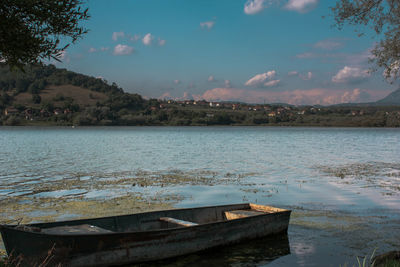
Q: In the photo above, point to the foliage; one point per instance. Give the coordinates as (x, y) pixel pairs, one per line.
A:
(384, 17)
(32, 30)
(36, 99)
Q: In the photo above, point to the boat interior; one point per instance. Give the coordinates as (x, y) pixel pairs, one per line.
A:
(157, 220)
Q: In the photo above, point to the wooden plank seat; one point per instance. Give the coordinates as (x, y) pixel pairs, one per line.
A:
(237, 214)
(75, 230)
(178, 222)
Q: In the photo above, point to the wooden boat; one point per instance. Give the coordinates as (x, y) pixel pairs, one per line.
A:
(141, 237)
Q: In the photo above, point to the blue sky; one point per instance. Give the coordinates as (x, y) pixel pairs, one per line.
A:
(240, 50)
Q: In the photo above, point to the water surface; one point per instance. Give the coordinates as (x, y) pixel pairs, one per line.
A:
(343, 184)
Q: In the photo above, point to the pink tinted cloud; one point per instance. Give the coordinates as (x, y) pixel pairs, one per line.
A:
(317, 96)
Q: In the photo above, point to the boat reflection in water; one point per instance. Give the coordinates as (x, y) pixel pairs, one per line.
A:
(257, 252)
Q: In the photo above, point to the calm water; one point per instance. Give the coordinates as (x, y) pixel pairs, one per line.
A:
(337, 173)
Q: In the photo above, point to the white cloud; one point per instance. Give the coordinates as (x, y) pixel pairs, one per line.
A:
(307, 76)
(328, 45)
(227, 84)
(161, 42)
(117, 35)
(185, 96)
(207, 24)
(259, 79)
(350, 74)
(63, 56)
(301, 6)
(211, 78)
(272, 83)
(95, 50)
(166, 95)
(177, 81)
(360, 58)
(306, 55)
(316, 96)
(135, 37)
(252, 7)
(355, 96)
(121, 50)
(148, 39)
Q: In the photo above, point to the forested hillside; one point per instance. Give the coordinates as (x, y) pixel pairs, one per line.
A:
(41, 91)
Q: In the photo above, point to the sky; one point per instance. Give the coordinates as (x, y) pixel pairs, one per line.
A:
(255, 51)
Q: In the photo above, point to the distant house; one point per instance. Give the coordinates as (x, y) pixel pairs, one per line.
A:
(28, 114)
(272, 114)
(57, 111)
(10, 111)
(202, 103)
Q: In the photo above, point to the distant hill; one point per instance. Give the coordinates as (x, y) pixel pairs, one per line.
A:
(47, 95)
(39, 86)
(392, 99)
(36, 78)
(57, 94)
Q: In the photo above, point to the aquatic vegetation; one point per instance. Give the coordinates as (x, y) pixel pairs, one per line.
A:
(362, 262)
(390, 259)
(381, 175)
(358, 231)
(78, 195)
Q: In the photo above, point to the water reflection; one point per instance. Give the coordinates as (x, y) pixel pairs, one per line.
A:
(258, 252)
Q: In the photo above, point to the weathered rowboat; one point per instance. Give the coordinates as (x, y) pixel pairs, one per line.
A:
(141, 237)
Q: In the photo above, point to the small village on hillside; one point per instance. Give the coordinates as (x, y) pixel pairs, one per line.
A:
(65, 112)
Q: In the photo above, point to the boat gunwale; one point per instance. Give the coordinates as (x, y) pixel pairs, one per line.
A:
(154, 231)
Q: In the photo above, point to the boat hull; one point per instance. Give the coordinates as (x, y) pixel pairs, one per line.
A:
(142, 241)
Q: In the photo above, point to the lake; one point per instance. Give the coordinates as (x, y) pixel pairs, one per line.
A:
(343, 184)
